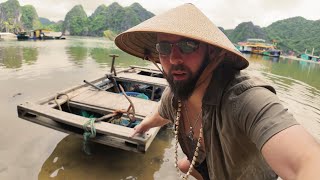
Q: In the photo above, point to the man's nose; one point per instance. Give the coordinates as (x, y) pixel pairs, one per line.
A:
(175, 56)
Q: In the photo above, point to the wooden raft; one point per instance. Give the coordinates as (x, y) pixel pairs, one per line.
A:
(46, 113)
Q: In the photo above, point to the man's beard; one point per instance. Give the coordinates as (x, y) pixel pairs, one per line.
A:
(183, 89)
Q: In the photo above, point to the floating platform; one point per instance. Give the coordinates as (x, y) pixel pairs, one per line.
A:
(102, 98)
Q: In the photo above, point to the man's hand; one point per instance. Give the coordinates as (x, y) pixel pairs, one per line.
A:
(155, 120)
(140, 129)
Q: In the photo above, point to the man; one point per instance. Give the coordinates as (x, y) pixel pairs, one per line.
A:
(229, 125)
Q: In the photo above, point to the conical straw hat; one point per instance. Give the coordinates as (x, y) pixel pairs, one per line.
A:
(185, 20)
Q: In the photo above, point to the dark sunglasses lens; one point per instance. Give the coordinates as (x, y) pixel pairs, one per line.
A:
(188, 47)
(164, 48)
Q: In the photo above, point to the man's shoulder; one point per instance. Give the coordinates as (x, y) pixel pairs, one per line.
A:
(242, 82)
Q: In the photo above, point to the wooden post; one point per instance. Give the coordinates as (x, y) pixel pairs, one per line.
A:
(152, 95)
(113, 70)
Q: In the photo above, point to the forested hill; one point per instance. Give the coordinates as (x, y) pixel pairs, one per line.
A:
(15, 18)
(106, 19)
(114, 18)
(296, 34)
(293, 34)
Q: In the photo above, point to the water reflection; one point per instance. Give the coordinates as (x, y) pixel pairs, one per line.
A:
(101, 56)
(13, 57)
(77, 54)
(68, 161)
(273, 59)
(30, 55)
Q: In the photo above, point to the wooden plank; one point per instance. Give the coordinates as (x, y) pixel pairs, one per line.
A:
(115, 101)
(99, 110)
(86, 94)
(133, 77)
(145, 68)
(152, 132)
(139, 70)
(63, 98)
(73, 89)
(100, 138)
(78, 121)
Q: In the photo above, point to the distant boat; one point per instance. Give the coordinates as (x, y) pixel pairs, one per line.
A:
(7, 36)
(40, 34)
(272, 52)
(242, 47)
(307, 56)
(258, 46)
(23, 36)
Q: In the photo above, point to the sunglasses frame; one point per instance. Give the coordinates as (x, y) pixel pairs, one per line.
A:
(182, 45)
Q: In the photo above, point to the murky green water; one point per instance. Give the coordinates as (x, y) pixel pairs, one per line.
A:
(35, 69)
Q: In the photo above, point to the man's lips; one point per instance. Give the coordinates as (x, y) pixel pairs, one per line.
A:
(179, 75)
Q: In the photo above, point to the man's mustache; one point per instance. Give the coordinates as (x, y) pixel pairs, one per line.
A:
(178, 67)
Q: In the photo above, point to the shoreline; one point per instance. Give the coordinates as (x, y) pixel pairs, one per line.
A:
(298, 59)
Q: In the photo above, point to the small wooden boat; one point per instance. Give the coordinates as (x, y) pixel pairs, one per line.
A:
(103, 99)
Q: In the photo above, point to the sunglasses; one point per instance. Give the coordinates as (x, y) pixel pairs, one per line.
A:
(185, 46)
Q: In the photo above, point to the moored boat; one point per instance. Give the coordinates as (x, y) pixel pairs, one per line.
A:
(23, 36)
(307, 56)
(259, 46)
(40, 34)
(105, 105)
(272, 53)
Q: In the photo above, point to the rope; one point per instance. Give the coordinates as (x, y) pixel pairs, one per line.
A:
(56, 101)
(155, 63)
(89, 128)
(88, 133)
(131, 110)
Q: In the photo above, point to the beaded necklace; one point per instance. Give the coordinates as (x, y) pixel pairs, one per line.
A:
(196, 152)
(191, 128)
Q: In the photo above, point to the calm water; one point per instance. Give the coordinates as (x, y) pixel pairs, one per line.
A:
(32, 70)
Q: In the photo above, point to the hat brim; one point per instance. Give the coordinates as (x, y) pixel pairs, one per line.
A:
(185, 20)
(142, 44)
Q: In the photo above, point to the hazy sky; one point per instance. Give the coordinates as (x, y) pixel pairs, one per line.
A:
(225, 13)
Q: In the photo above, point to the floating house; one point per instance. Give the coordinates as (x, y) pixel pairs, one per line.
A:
(259, 46)
(39, 34)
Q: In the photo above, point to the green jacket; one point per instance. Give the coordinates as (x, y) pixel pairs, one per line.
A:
(239, 115)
